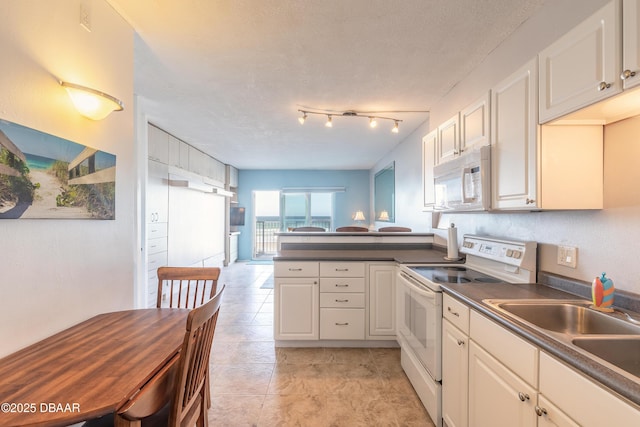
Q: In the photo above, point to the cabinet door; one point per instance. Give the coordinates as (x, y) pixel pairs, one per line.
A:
(550, 416)
(474, 124)
(158, 144)
(583, 66)
(497, 397)
(157, 193)
(448, 139)
(630, 43)
(575, 395)
(455, 375)
(296, 308)
(514, 137)
(382, 300)
(429, 145)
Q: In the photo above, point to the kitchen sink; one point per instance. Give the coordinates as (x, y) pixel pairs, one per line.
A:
(610, 338)
(567, 317)
(621, 352)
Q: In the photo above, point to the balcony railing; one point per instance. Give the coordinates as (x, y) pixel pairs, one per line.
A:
(266, 242)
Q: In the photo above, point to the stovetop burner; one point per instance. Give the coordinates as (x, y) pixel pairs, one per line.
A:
(454, 274)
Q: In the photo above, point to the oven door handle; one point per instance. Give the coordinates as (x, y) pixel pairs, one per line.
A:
(415, 287)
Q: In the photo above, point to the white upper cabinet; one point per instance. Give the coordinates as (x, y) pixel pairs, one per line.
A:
(474, 124)
(158, 144)
(630, 74)
(583, 66)
(514, 135)
(429, 144)
(448, 141)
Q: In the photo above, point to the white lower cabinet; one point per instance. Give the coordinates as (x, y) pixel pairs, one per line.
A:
(550, 416)
(342, 301)
(296, 302)
(511, 383)
(382, 301)
(497, 396)
(455, 374)
(581, 399)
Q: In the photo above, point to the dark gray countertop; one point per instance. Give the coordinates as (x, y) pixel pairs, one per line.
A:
(473, 295)
(403, 256)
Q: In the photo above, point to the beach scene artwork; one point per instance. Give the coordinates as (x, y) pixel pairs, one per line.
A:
(46, 177)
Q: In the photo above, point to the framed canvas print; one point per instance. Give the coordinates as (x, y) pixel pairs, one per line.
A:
(46, 177)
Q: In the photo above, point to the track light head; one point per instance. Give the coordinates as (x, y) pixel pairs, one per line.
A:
(373, 122)
(302, 119)
(395, 127)
(329, 124)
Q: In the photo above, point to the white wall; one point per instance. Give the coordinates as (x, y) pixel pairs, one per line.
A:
(58, 272)
(606, 239)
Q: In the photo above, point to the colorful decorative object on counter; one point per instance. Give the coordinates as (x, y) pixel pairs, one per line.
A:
(602, 291)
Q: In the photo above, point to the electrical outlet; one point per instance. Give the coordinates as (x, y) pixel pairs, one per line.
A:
(85, 16)
(568, 256)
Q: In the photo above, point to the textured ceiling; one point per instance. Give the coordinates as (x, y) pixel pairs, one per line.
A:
(228, 76)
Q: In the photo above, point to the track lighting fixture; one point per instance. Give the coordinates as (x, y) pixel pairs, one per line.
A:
(371, 115)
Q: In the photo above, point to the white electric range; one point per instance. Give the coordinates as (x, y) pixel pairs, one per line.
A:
(419, 304)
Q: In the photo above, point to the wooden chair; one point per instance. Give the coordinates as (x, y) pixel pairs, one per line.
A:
(186, 287)
(308, 229)
(394, 229)
(176, 396)
(353, 228)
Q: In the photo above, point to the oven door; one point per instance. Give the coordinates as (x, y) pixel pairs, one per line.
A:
(420, 323)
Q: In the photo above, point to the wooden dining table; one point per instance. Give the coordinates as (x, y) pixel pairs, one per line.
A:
(88, 370)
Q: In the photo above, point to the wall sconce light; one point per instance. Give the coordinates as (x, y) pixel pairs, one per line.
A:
(358, 216)
(384, 216)
(92, 103)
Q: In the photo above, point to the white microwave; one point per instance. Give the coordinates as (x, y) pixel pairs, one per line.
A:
(463, 184)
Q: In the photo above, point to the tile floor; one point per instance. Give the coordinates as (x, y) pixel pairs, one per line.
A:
(256, 384)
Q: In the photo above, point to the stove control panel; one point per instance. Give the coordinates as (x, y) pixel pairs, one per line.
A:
(519, 254)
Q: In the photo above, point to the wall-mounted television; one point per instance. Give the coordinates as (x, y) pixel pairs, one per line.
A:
(236, 216)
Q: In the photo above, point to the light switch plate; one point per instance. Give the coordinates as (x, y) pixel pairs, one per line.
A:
(568, 256)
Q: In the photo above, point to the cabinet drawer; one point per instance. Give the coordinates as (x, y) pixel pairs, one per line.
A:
(342, 323)
(456, 312)
(342, 299)
(156, 245)
(156, 229)
(342, 269)
(575, 395)
(157, 260)
(515, 353)
(295, 269)
(341, 284)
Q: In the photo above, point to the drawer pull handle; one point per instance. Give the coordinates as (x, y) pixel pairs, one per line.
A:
(460, 342)
(342, 300)
(540, 411)
(342, 269)
(453, 312)
(342, 324)
(523, 396)
(341, 286)
(295, 269)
